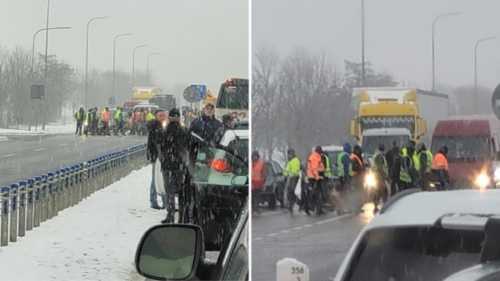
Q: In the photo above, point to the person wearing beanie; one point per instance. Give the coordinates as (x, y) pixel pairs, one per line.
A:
(174, 160)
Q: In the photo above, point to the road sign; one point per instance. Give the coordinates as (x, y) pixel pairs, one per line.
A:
(195, 93)
(289, 269)
(495, 101)
(37, 91)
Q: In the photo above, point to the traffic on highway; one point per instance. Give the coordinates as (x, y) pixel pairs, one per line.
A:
(124, 139)
(375, 143)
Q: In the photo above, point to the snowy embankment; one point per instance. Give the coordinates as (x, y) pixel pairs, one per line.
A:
(95, 240)
(50, 129)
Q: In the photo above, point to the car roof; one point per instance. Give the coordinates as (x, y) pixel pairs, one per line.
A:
(230, 135)
(425, 208)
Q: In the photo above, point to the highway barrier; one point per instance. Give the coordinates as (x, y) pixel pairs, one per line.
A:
(29, 203)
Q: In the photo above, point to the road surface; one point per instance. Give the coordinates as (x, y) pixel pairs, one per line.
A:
(320, 242)
(22, 158)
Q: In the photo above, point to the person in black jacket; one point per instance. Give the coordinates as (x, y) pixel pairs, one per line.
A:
(174, 163)
(155, 129)
(206, 125)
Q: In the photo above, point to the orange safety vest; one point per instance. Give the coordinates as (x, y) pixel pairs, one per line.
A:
(258, 178)
(440, 162)
(314, 165)
(105, 116)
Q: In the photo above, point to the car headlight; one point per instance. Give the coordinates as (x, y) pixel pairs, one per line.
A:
(482, 180)
(496, 175)
(370, 180)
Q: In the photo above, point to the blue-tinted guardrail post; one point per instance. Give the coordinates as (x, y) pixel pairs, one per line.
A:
(31, 201)
(13, 212)
(70, 186)
(22, 208)
(44, 198)
(4, 226)
(51, 195)
(64, 188)
(38, 205)
(86, 180)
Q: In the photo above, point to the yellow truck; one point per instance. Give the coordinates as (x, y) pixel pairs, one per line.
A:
(388, 114)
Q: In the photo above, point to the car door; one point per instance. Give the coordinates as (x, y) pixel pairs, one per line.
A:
(235, 263)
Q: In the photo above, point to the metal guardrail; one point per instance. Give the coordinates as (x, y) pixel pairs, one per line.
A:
(27, 204)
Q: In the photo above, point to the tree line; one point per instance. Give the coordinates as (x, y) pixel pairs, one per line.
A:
(303, 100)
(64, 87)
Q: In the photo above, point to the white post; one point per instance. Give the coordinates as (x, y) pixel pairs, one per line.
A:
(289, 269)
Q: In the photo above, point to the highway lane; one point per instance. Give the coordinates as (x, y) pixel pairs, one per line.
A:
(319, 242)
(25, 158)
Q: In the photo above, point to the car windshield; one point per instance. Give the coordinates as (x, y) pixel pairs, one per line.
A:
(371, 143)
(463, 147)
(414, 254)
(233, 96)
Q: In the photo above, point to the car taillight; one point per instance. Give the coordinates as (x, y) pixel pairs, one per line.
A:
(221, 166)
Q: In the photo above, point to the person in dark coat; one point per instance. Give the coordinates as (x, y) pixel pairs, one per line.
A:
(206, 125)
(174, 160)
(394, 168)
(80, 118)
(155, 130)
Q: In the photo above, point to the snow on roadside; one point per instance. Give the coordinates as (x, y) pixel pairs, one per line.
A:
(50, 129)
(95, 240)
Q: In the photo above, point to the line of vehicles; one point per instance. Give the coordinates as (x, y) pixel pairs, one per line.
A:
(387, 115)
(418, 235)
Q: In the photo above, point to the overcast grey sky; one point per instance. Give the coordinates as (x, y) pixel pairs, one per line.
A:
(200, 40)
(398, 35)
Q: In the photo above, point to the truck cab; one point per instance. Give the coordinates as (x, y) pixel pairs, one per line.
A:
(472, 143)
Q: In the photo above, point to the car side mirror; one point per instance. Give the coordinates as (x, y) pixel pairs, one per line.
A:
(170, 252)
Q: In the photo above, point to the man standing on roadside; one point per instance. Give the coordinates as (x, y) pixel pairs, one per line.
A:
(80, 118)
(174, 164)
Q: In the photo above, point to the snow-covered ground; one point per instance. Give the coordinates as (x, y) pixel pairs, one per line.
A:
(95, 240)
(50, 129)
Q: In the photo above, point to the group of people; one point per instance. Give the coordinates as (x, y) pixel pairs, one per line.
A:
(176, 148)
(95, 122)
(393, 170)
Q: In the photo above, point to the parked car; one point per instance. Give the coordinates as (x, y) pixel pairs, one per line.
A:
(427, 236)
(274, 186)
(221, 177)
(177, 252)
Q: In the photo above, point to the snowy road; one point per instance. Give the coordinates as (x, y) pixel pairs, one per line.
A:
(95, 240)
(21, 159)
(320, 242)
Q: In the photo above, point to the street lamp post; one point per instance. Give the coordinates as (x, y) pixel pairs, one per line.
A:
(133, 62)
(87, 56)
(114, 59)
(33, 46)
(363, 70)
(148, 69)
(478, 42)
(434, 44)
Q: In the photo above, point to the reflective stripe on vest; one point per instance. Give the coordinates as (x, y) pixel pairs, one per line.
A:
(340, 164)
(416, 161)
(429, 160)
(328, 168)
(404, 174)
